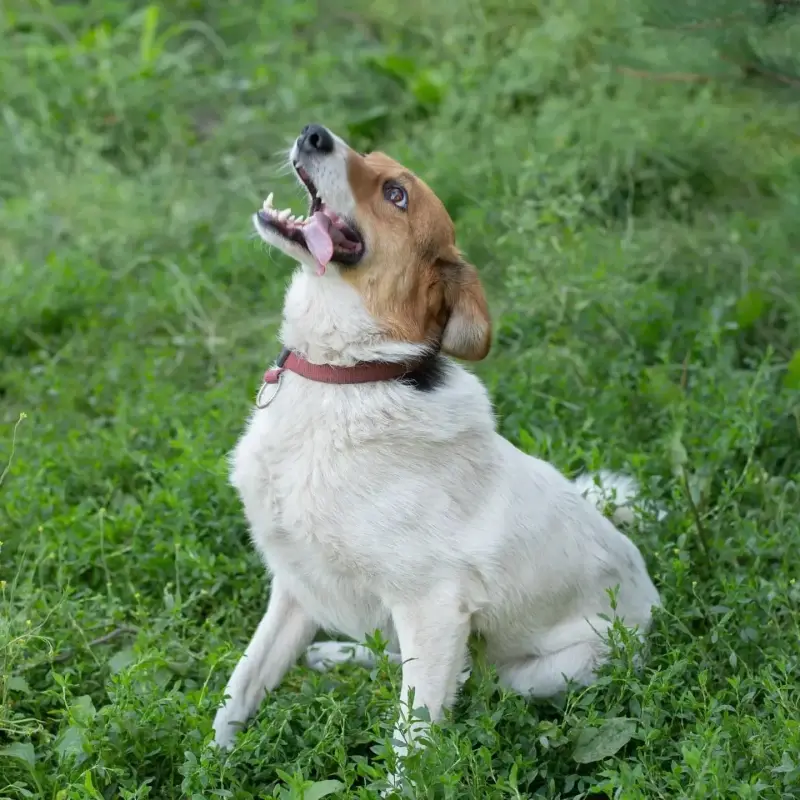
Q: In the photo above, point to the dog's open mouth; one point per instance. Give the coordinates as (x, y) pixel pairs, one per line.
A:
(323, 233)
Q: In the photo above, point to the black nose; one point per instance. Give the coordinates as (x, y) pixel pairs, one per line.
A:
(315, 139)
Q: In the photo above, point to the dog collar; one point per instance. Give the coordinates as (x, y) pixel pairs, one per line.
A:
(362, 372)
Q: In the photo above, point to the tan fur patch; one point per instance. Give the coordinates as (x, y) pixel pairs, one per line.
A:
(412, 277)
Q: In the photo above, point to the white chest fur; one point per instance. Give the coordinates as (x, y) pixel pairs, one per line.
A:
(337, 483)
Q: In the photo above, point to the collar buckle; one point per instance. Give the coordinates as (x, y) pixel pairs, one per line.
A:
(272, 377)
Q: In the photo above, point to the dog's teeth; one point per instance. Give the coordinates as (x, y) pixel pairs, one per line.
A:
(284, 215)
(268, 201)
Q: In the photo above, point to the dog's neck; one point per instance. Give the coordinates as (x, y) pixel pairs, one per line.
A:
(325, 320)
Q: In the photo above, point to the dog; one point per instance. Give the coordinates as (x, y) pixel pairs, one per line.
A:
(375, 485)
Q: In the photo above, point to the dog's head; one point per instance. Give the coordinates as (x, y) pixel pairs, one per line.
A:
(378, 227)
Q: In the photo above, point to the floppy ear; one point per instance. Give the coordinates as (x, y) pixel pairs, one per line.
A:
(468, 331)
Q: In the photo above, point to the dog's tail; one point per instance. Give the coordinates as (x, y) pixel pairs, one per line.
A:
(622, 491)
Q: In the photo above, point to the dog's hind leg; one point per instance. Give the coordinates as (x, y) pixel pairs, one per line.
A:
(546, 676)
(281, 636)
(574, 652)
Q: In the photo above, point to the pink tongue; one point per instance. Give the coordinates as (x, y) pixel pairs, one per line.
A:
(318, 240)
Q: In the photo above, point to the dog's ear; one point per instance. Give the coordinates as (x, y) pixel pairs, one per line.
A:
(467, 331)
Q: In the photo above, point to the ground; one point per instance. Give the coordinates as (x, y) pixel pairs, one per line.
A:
(630, 193)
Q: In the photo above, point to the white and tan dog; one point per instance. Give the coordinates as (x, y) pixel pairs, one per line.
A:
(376, 487)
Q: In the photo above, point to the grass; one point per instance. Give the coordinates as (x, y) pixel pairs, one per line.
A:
(630, 191)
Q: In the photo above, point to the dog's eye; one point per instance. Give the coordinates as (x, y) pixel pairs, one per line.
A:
(396, 195)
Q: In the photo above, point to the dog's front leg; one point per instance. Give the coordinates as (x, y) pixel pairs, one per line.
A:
(433, 634)
(283, 633)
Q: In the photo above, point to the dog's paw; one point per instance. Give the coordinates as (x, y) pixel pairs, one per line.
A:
(226, 727)
(222, 741)
(323, 656)
(395, 787)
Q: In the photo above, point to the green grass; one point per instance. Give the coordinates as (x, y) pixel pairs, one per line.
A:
(638, 232)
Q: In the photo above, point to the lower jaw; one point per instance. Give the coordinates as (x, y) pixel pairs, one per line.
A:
(342, 259)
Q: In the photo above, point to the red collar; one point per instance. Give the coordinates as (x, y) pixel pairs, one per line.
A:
(363, 372)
